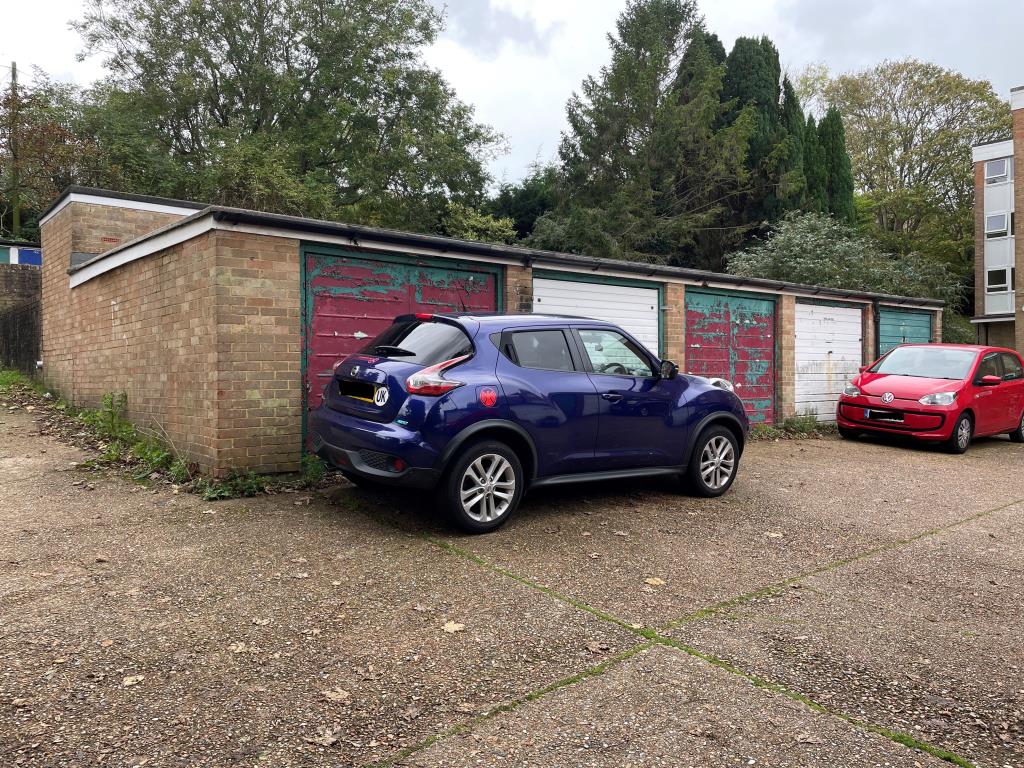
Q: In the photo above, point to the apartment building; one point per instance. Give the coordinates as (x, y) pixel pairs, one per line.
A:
(999, 195)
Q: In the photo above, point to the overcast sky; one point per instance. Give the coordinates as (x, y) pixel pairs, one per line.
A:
(518, 61)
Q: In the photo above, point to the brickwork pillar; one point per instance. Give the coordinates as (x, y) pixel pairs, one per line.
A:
(937, 327)
(868, 339)
(785, 369)
(674, 318)
(518, 288)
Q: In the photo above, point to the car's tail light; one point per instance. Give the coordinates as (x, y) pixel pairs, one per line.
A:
(431, 381)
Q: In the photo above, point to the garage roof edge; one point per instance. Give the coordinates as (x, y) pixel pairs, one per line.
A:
(365, 235)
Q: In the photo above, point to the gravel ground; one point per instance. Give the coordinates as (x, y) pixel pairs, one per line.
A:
(146, 627)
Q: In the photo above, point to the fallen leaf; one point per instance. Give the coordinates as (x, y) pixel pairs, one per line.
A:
(336, 694)
(773, 535)
(325, 737)
(451, 627)
(654, 581)
(620, 533)
(261, 622)
(131, 680)
(101, 559)
(806, 738)
(240, 648)
(208, 512)
(106, 643)
(300, 575)
(595, 647)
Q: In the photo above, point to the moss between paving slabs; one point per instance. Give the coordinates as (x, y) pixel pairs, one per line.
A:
(653, 637)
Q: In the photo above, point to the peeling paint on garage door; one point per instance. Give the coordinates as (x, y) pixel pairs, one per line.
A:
(902, 326)
(733, 336)
(828, 354)
(349, 297)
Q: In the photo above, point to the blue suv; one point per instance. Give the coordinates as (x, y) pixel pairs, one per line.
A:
(481, 408)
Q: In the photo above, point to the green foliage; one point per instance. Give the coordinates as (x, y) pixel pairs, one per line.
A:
(180, 471)
(467, 223)
(235, 485)
(795, 427)
(108, 422)
(815, 171)
(793, 182)
(526, 201)
(910, 126)
(319, 107)
(817, 249)
(957, 329)
(838, 172)
(652, 157)
(313, 470)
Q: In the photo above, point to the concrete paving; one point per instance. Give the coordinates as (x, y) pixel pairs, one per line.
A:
(846, 604)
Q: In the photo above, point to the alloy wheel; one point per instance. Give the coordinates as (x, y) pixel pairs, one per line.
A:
(963, 434)
(488, 487)
(717, 462)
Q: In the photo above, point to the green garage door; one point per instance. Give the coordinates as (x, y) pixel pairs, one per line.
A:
(902, 326)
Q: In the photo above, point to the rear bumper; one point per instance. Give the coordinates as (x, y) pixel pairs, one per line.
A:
(935, 424)
(368, 449)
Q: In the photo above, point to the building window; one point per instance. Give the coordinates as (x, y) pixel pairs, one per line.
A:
(997, 225)
(998, 171)
(1000, 280)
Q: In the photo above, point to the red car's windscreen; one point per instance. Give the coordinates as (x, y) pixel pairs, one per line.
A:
(927, 362)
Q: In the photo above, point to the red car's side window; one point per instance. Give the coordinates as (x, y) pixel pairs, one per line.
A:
(1012, 368)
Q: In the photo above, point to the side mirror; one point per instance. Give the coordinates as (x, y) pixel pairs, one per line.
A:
(669, 370)
(990, 381)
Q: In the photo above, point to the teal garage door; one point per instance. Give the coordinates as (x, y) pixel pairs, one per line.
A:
(902, 326)
(732, 336)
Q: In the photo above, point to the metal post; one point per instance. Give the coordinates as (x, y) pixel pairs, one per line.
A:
(15, 170)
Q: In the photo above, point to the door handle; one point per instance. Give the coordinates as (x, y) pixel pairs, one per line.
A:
(612, 396)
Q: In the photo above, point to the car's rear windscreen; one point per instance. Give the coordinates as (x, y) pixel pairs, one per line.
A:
(420, 343)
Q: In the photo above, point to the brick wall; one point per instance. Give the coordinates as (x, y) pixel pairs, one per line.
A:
(19, 284)
(518, 289)
(785, 366)
(937, 326)
(147, 328)
(204, 337)
(675, 324)
(868, 329)
(259, 353)
(98, 228)
(979, 238)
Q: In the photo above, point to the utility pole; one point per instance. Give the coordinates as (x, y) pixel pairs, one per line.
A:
(15, 170)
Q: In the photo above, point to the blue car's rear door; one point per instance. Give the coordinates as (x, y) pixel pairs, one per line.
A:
(642, 415)
(551, 396)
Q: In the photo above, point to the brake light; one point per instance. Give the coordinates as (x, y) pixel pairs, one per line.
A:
(431, 381)
(423, 316)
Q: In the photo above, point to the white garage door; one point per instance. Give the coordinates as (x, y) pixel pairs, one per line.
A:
(634, 309)
(828, 354)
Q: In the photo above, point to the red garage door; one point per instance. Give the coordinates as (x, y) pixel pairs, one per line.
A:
(350, 297)
(732, 336)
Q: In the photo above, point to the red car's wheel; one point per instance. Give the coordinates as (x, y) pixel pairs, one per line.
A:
(963, 432)
(1017, 435)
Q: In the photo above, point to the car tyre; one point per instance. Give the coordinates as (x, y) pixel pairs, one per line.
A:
(714, 463)
(848, 434)
(1017, 435)
(963, 432)
(483, 487)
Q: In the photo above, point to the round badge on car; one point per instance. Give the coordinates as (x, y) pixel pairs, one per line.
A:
(380, 397)
(888, 397)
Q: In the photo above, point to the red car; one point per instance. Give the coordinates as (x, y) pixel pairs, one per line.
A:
(942, 393)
